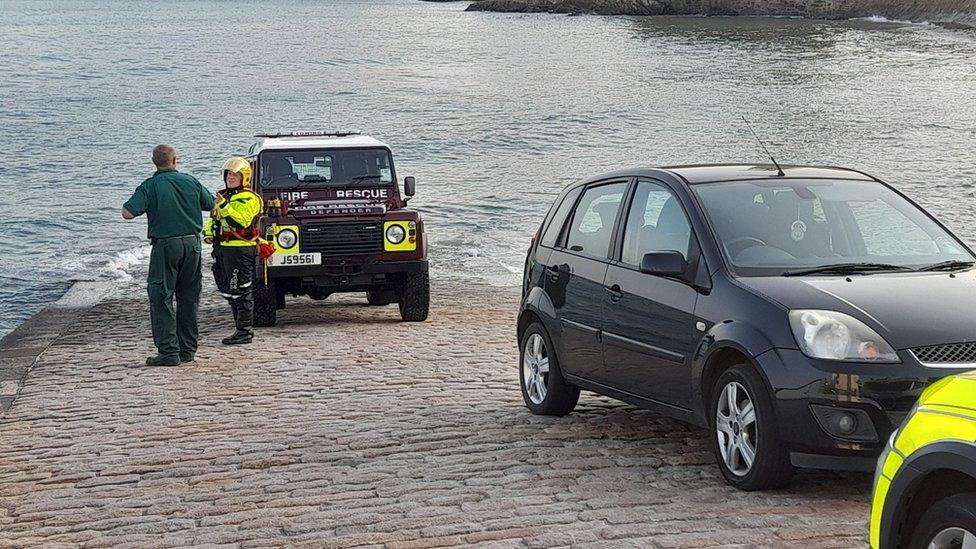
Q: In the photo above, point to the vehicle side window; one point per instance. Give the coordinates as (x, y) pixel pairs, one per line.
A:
(559, 218)
(592, 225)
(656, 223)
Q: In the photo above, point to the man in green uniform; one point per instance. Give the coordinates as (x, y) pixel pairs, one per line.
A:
(172, 202)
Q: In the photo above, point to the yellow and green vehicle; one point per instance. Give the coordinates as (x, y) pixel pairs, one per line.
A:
(925, 485)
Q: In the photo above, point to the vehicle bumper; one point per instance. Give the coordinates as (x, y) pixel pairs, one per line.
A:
(348, 276)
(811, 395)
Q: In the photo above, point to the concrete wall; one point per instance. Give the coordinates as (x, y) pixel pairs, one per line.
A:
(960, 12)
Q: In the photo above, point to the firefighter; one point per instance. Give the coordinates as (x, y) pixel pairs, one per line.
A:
(233, 230)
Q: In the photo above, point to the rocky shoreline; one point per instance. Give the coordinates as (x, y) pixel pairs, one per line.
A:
(953, 13)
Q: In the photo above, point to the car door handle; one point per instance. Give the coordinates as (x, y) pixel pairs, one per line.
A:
(615, 292)
(555, 270)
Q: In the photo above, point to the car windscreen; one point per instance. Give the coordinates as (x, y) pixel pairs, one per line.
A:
(325, 168)
(772, 227)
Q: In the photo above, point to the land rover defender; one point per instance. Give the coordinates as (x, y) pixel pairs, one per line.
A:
(339, 223)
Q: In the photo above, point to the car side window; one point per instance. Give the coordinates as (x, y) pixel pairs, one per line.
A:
(559, 218)
(592, 226)
(656, 223)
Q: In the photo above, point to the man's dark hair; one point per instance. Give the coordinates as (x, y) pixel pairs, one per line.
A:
(163, 155)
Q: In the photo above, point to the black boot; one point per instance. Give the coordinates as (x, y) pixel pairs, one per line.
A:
(239, 337)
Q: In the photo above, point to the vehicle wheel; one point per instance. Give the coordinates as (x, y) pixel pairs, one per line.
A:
(949, 522)
(415, 297)
(265, 304)
(744, 434)
(380, 297)
(280, 299)
(544, 389)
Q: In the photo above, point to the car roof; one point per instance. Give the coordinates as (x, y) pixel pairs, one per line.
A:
(340, 141)
(708, 173)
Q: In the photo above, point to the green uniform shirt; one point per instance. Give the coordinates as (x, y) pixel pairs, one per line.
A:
(172, 202)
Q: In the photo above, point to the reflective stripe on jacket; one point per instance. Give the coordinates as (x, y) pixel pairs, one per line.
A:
(237, 219)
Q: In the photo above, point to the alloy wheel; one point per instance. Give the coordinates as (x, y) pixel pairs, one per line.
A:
(953, 538)
(535, 368)
(736, 428)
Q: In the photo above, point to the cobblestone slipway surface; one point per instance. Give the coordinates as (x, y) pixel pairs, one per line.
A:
(343, 426)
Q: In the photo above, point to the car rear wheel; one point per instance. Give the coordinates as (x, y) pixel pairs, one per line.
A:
(415, 297)
(265, 304)
(744, 434)
(544, 389)
(949, 523)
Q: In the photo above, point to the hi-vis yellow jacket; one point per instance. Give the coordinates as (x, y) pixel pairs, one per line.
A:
(236, 219)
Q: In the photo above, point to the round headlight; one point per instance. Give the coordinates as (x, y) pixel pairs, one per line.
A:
(287, 238)
(395, 234)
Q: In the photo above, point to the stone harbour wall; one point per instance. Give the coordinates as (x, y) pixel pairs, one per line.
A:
(949, 12)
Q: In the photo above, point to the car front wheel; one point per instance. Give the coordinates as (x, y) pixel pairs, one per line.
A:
(949, 523)
(744, 434)
(544, 389)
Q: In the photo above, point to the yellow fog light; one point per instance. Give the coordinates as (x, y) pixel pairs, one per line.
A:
(286, 238)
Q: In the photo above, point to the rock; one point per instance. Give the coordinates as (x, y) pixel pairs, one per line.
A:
(952, 13)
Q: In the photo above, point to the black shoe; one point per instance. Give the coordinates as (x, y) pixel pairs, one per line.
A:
(160, 360)
(240, 337)
(187, 357)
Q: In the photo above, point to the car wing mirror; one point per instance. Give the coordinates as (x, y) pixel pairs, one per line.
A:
(665, 263)
(409, 185)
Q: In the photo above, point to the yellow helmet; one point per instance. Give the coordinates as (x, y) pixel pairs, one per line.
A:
(241, 166)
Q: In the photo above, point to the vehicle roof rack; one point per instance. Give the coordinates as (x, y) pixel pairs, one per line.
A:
(311, 133)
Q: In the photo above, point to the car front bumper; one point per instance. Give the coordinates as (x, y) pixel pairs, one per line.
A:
(348, 276)
(809, 395)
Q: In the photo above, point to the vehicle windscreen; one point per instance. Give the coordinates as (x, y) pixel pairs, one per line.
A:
(325, 168)
(768, 228)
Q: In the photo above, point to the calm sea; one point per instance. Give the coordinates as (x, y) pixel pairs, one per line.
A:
(493, 113)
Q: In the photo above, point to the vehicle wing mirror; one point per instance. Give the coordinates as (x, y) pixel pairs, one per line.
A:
(667, 263)
(409, 185)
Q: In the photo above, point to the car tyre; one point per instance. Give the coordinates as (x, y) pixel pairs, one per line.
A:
(265, 304)
(544, 389)
(949, 522)
(415, 297)
(744, 433)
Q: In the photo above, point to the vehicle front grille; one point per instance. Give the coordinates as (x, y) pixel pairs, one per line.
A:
(954, 353)
(340, 239)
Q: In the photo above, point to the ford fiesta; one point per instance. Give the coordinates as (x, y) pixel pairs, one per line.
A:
(796, 314)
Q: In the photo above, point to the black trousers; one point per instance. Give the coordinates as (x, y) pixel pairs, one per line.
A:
(233, 271)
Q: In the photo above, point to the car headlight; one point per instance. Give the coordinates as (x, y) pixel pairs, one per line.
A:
(835, 336)
(395, 234)
(287, 238)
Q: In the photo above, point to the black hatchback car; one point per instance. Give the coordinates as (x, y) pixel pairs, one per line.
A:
(797, 315)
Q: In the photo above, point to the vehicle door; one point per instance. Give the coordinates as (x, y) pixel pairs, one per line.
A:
(574, 277)
(649, 322)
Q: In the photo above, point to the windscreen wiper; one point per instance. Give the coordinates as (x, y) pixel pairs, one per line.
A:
(953, 265)
(359, 178)
(848, 268)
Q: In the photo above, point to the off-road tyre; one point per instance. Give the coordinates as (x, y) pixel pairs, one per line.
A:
(771, 466)
(378, 298)
(265, 304)
(953, 512)
(415, 297)
(561, 396)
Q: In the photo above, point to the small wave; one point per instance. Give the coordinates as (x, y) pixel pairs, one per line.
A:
(118, 267)
(883, 19)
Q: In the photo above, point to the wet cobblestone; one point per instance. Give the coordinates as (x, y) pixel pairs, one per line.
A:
(343, 427)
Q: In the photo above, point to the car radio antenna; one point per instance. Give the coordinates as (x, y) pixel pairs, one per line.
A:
(779, 170)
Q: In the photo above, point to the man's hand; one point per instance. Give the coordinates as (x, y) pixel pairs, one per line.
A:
(127, 215)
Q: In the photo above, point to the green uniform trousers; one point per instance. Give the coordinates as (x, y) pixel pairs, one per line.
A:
(174, 269)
